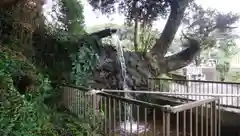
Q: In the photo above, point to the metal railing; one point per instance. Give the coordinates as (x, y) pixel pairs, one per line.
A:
(229, 92)
(114, 115)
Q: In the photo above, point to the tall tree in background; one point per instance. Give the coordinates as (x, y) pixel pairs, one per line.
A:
(70, 14)
(225, 52)
(210, 26)
(67, 24)
(155, 62)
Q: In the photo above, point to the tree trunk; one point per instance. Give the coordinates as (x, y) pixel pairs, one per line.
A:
(136, 35)
(136, 28)
(170, 29)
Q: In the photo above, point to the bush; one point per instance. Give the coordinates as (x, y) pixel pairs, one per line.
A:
(29, 114)
(21, 114)
(233, 76)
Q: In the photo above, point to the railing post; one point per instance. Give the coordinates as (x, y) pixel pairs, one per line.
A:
(219, 118)
(238, 96)
(150, 84)
(168, 123)
(166, 120)
(94, 101)
(187, 87)
(214, 117)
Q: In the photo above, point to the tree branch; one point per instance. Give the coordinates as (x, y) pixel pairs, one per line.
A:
(104, 33)
(183, 58)
(170, 29)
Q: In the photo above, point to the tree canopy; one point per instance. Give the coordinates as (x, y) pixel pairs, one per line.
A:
(201, 24)
(145, 11)
(209, 23)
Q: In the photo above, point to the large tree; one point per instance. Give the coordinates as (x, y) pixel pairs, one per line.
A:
(71, 15)
(154, 63)
(210, 26)
(225, 52)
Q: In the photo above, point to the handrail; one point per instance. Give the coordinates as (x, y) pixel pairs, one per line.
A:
(167, 108)
(201, 81)
(132, 101)
(81, 88)
(129, 100)
(191, 105)
(171, 93)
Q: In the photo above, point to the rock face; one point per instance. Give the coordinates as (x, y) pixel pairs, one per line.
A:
(139, 66)
(108, 71)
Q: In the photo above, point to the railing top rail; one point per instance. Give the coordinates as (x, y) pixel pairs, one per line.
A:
(167, 108)
(133, 101)
(123, 99)
(191, 105)
(81, 88)
(171, 93)
(202, 81)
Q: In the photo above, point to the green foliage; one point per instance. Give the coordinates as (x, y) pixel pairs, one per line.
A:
(69, 123)
(233, 76)
(68, 48)
(72, 16)
(209, 25)
(58, 51)
(9, 37)
(52, 50)
(225, 52)
(61, 53)
(91, 120)
(146, 11)
(223, 67)
(28, 114)
(147, 38)
(21, 115)
(83, 63)
(72, 58)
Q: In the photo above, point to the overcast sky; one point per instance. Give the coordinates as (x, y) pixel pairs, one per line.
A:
(224, 6)
(92, 18)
